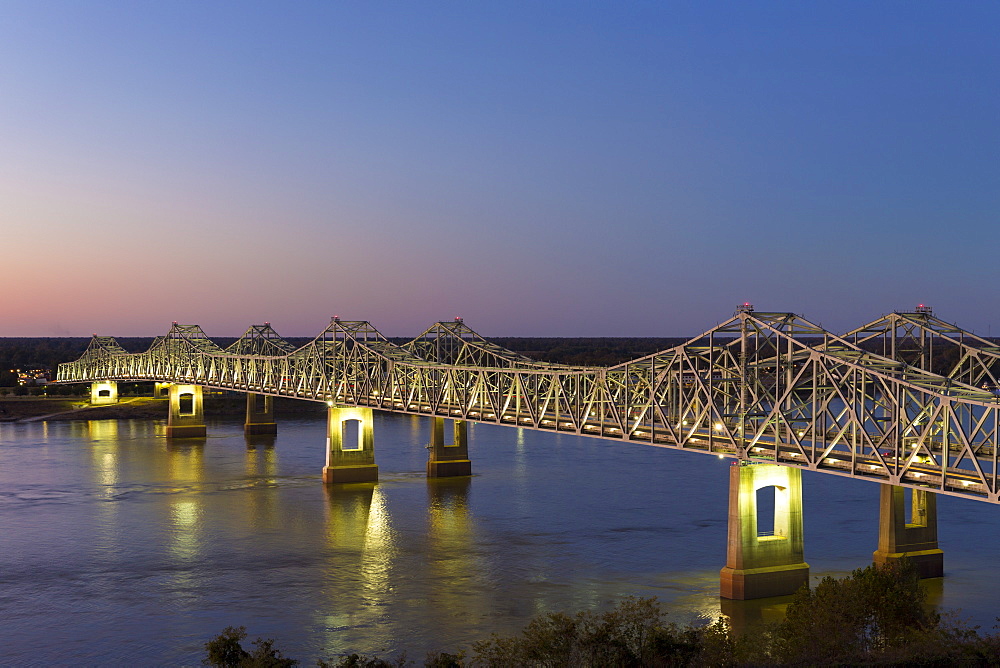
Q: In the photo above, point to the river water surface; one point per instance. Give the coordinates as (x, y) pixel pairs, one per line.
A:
(118, 546)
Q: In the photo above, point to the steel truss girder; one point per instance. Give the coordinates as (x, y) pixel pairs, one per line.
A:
(914, 337)
(455, 343)
(765, 387)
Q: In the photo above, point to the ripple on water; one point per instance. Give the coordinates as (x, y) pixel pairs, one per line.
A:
(134, 551)
(41, 495)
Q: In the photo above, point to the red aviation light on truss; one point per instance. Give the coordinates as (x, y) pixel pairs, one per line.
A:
(923, 308)
(458, 318)
(745, 307)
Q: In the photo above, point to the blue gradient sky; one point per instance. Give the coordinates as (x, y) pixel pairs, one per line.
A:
(542, 168)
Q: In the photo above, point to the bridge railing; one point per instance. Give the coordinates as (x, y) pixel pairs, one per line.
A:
(760, 386)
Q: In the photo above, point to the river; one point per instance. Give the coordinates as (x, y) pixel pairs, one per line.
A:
(118, 546)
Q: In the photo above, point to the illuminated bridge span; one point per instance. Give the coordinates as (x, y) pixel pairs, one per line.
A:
(767, 388)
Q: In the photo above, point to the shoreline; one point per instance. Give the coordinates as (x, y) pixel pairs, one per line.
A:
(60, 409)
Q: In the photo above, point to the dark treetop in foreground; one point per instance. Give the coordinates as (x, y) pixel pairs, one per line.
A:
(876, 616)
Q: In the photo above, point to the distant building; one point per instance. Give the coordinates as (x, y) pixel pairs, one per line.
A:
(32, 377)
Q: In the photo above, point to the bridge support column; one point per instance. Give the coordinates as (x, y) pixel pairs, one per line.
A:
(760, 566)
(161, 390)
(260, 415)
(103, 392)
(917, 539)
(445, 461)
(186, 418)
(350, 446)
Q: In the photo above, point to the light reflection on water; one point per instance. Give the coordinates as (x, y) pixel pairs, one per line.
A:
(119, 546)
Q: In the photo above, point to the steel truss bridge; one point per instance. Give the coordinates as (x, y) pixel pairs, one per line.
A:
(760, 387)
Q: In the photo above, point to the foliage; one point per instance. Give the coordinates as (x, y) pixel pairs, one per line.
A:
(445, 660)
(48, 352)
(876, 616)
(29, 353)
(632, 634)
(853, 618)
(362, 661)
(225, 651)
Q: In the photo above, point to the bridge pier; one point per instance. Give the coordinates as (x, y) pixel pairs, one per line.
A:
(917, 539)
(260, 415)
(760, 566)
(449, 460)
(103, 392)
(350, 445)
(161, 390)
(186, 417)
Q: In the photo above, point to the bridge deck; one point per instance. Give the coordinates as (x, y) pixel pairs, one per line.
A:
(766, 387)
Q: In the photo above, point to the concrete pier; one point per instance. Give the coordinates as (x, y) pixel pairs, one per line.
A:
(760, 566)
(917, 539)
(161, 390)
(350, 446)
(260, 415)
(186, 417)
(447, 460)
(103, 393)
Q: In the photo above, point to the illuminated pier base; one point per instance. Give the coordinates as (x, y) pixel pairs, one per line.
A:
(161, 390)
(260, 415)
(917, 539)
(186, 417)
(448, 460)
(759, 566)
(103, 392)
(350, 446)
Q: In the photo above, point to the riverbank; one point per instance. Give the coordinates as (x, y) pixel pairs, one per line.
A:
(34, 409)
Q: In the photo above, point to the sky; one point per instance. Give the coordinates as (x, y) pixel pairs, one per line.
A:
(538, 168)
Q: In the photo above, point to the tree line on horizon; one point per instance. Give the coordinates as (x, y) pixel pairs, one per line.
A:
(49, 352)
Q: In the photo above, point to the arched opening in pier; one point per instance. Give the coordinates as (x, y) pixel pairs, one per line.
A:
(351, 435)
(765, 511)
(259, 403)
(772, 511)
(185, 403)
(104, 393)
(915, 502)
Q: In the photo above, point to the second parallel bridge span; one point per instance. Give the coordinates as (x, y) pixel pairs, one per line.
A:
(765, 387)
